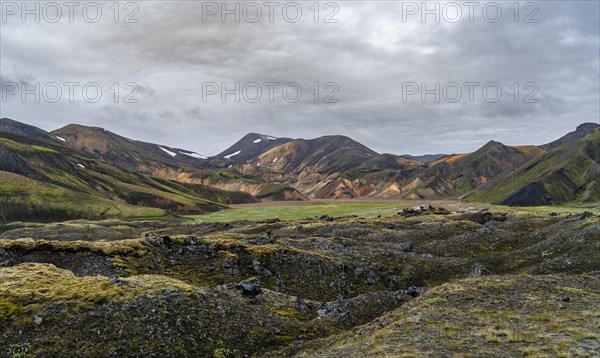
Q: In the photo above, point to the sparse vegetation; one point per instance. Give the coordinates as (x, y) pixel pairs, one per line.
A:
(314, 287)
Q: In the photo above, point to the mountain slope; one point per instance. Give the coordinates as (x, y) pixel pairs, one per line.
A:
(582, 131)
(127, 153)
(272, 168)
(250, 146)
(325, 154)
(42, 180)
(309, 164)
(8, 125)
(459, 174)
(339, 167)
(570, 172)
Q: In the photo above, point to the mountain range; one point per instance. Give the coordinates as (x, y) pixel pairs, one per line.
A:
(81, 171)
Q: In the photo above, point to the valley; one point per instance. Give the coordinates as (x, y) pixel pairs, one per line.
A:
(107, 175)
(292, 247)
(350, 179)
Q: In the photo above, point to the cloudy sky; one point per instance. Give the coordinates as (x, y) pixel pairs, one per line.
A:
(371, 60)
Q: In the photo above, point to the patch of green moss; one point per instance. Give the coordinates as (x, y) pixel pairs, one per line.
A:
(25, 287)
(433, 301)
(579, 291)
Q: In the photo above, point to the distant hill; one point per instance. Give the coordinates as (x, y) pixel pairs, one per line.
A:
(339, 167)
(177, 164)
(315, 166)
(568, 173)
(582, 130)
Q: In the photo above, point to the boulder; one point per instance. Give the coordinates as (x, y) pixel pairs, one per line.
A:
(414, 291)
(38, 320)
(154, 240)
(190, 241)
(116, 280)
(585, 215)
(484, 217)
(250, 287)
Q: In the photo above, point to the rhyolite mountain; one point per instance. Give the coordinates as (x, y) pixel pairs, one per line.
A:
(43, 179)
(450, 176)
(250, 146)
(460, 174)
(317, 167)
(169, 163)
(328, 167)
(127, 153)
(568, 173)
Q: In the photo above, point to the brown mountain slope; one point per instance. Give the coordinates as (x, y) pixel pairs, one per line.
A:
(170, 163)
(459, 174)
(327, 167)
(326, 154)
(128, 153)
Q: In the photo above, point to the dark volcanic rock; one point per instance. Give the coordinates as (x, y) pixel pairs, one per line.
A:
(250, 287)
(422, 210)
(363, 308)
(154, 241)
(5, 259)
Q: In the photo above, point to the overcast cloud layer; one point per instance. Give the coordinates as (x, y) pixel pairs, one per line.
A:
(369, 53)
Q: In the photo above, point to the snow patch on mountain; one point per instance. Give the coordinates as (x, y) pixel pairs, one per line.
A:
(257, 140)
(232, 154)
(168, 152)
(60, 139)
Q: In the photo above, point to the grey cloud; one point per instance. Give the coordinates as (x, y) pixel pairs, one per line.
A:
(369, 53)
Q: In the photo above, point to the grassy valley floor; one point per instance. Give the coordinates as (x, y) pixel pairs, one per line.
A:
(367, 208)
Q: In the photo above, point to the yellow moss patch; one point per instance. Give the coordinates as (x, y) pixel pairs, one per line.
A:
(105, 247)
(27, 286)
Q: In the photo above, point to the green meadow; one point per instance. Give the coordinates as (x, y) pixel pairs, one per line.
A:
(310, 210)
